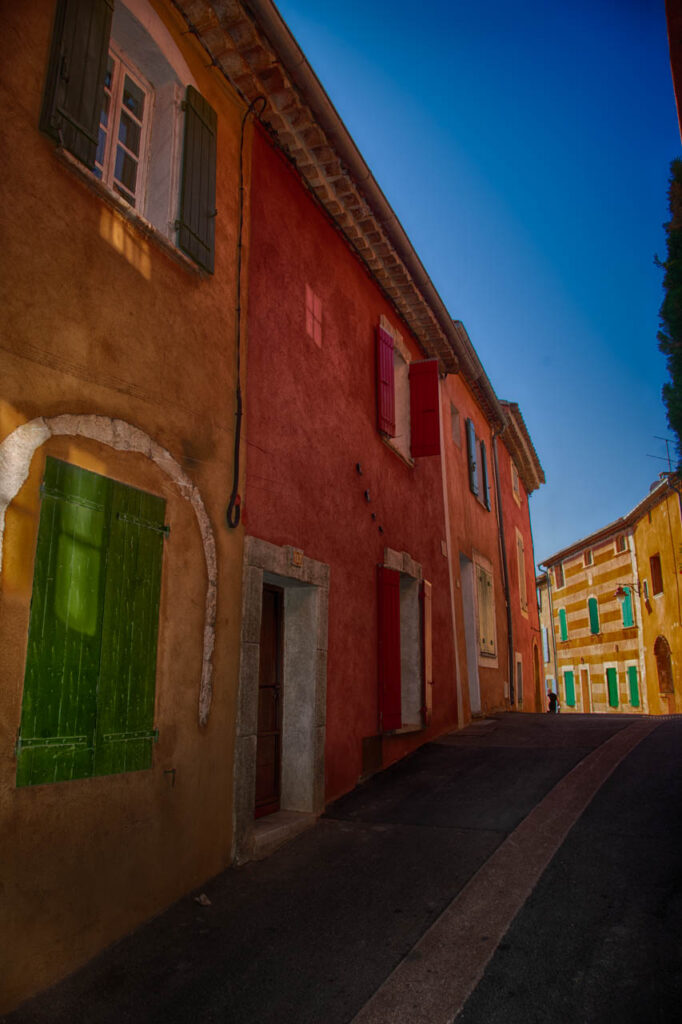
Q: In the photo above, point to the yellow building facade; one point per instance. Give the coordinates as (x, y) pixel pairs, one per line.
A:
(658, 547)
(615, 608)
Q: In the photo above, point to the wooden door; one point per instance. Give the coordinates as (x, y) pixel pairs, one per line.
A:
(585, 687)
(269, 746)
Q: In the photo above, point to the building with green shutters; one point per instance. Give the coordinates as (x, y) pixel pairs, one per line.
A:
(615, 600)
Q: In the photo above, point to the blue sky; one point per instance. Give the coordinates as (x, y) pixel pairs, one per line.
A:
(525, 146)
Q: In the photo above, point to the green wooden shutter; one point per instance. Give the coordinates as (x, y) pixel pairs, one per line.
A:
(569, 687)
(563, 628)
(196, 226)
(612, 686)
(125, 702)
(74, 88)
(88, 701)
(593, 608)
(628, 617)
(62, 666)
(633, 685)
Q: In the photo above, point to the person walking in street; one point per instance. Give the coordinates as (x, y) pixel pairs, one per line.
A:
(553, 703)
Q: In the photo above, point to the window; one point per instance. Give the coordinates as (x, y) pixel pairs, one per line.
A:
(123, 130)
(89, 687)
(408, 397)
(612, 686)
(621, 543)
(588, 558)
(521, 567)
(545, 644)
(645, 590)
(569, 688)
(626, 607)
(656, 574)
(563, 627)
(633, 685)
(515, 483)
(485, 597)
(558, 576)
(405, 658)
(118, 111)
(593, 610)
(455, 425)
(313, 316)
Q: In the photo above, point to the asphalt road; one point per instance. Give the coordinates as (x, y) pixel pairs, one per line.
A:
(572, 897)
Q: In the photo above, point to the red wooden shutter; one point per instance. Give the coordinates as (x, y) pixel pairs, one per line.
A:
(389, 649)
(424, 403)
(427, 655)
(385, 383)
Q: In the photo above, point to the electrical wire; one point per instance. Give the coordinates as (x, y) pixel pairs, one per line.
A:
(233, 513)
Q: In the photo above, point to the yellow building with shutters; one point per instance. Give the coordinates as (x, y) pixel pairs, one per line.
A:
(615, 611)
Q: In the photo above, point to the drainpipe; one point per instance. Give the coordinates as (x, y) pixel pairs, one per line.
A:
(505, 569)
(548, 574)
(448, 542)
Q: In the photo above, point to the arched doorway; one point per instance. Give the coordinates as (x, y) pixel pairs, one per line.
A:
(664, 668)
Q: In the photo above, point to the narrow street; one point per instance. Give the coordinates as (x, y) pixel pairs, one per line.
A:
(528, 869)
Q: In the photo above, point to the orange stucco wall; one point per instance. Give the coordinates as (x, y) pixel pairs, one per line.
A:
(99, 320)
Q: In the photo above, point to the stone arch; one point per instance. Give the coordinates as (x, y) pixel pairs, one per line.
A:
(664, 665)
(16, 453)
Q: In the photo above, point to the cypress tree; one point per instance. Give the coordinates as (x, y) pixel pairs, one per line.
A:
(670, 334)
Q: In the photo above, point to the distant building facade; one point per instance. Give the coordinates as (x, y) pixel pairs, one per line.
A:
(614, 602)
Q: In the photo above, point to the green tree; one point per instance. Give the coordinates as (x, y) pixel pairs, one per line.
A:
(670, 334)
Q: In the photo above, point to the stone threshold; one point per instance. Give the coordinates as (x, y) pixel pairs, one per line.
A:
(274, 830)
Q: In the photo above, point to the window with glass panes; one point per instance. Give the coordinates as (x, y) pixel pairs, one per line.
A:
(123, 130)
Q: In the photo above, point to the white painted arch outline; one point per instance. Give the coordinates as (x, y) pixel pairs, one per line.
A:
(16, 453)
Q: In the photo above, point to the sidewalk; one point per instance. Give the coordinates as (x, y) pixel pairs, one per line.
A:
(309, 935)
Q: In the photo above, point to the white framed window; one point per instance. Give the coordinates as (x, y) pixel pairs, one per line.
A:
(621, 543)
(124, 126)
(588, 558)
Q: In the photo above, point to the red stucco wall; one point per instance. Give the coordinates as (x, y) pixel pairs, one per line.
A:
(525, 625)
(311, 415)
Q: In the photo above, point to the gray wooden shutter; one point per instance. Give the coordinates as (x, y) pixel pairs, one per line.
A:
(471, 456)
(74, 88)
(484, 472)
(125, 698)
(196, 226)
(58, 711)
